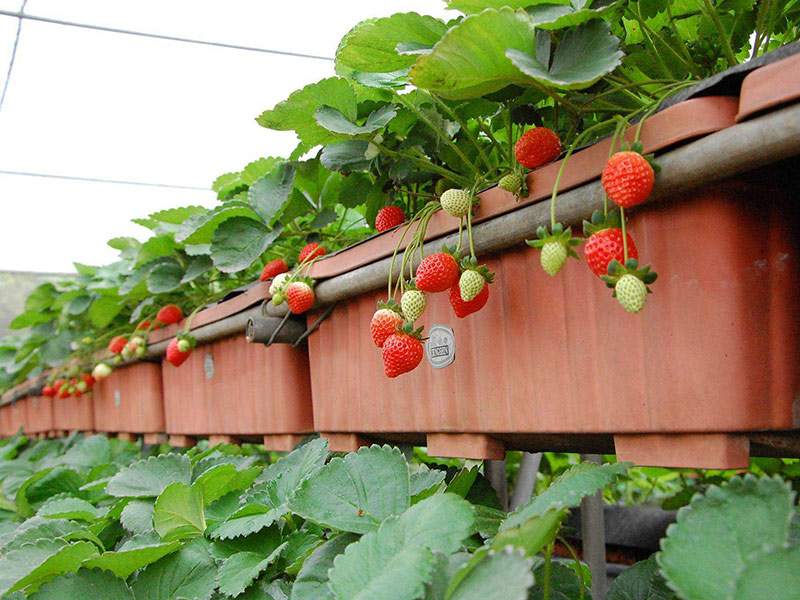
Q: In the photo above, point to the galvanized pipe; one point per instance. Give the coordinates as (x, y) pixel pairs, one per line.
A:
(593, 534)
(526, 478)
(260, 330)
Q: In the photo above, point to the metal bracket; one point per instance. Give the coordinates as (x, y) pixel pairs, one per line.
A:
(316, 325)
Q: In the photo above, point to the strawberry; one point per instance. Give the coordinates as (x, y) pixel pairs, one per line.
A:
(101, 371)
(300, 296)
(63, 392)
(77, 392)
(388, 217)
(402, 351)
(473, 278)
(511, 183)
(456, 203)
(413, 302)
(274, 268)
(179, 349)
(537, 147)
(117, 344)
(628, 178)
(605, 242)
(88, 379)
(49, 391)
(81, 386)
(310, 252)
(437, 272)
(58, 383)
(169, 314)
(629, 283)
(556, 247)
(143, 325)
(463, 309)
(386, 320)
(277, 288)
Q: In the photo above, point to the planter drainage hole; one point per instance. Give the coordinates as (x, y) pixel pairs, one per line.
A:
(117, 398)
(208, 365)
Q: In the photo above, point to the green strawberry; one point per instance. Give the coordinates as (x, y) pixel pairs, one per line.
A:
(456, 203)
(473, 278)
(412, 302)
(511, 183)
(556, 247)
(631, 293)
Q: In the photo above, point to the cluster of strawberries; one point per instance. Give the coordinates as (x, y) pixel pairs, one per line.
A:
(296, 289)
(627, 179)
(74, 387)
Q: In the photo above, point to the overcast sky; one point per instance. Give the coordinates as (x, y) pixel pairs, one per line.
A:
(104, 105)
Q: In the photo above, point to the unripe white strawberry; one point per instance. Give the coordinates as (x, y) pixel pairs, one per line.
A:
(101, 371)
(554, 255)
(510, 183)
(631, 293)
(137, 341)
(413, 304)
(139, 352)
(456, 203)
(470, 284)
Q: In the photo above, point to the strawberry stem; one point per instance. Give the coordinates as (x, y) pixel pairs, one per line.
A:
(624, 235)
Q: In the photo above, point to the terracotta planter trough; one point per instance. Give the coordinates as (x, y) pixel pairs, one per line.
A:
(130, 403)
(38, 415)
(556, 364)
(769, 87)
(73, 414)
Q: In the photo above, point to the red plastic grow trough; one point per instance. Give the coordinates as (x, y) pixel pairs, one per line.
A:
(38, 415)
(230, 390)
(555, 363)
(73, 414)
(130, 402)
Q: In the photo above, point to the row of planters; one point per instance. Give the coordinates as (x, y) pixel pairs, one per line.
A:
(457, 129)
(93, 517)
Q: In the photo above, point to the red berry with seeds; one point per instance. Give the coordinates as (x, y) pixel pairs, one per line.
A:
(273, 268)
(628, 178)
(310, 252)
(299, 296)
(117, 344)
(175, 356)
(386, 321)
(388, 217)
(170, 314)
(463, 309)
(402, 351)
(437, 273)
(537, 147)
(604, 246)
(49, 391)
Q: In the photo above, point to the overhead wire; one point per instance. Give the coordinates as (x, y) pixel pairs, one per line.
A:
(21, 12)
(102, 180)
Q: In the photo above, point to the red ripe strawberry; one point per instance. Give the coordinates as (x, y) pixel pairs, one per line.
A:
(388, 217)
(63, 393)
(299, 296)
(386, 321)
(273, 268)
(145, 325)
(169, 314)
(174, 355)
(537, 147)
(311, 251)
(461, 308)
(77, 393)
(402, 351)
(49, 391)
(58, 383)
(88, 379)
(628, 178)
(604, 246)
(117, 344)
(437, 272)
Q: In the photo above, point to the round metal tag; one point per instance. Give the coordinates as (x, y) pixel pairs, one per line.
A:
(441, 346)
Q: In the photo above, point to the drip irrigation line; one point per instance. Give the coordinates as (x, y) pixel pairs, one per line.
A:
(20, 15)
(101, 180)
(21, 12)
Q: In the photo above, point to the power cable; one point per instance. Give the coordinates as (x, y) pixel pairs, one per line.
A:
(20, 15)
(100, 180)
(21, 12)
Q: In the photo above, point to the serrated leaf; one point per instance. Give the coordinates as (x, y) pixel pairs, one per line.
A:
(532, 535)
(718, 533)
(469, 7)
(584, 55)
(103, 310)
(29, 318)
(772, 574)
(239, 242)
(248, 519)
(423, 479)
(137, 516)
(176, 216)
(576, 12)
(178, 512)
(33, 564)
(269, 194)
(166, 277)
(199, 265)
(346, 157)
(89, 452)
(503, 575)
(312, 580)
(222, 479)
(148, 478)
(86, 585)
(396, 560)
(70, 508)
(241, 569)
(356, 493)
(188, 573)
(636, 583)
(199, 229)
(125, 562)
(37, 528)
(335, 122)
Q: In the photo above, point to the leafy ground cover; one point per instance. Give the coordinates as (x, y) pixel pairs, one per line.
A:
(100, 518)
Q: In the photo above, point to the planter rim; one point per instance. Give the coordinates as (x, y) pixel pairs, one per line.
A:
(770, 86)
(687, 120)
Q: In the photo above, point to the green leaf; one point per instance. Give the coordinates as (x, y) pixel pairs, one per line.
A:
(356, 493)
(577, 12)
(148, 478)
(86, 585)
(638, 583)
(346, 157)
(397, 560)
(126, 561)
(772, 574)
(241, 569)
(422, 479)
(55, 351)
(188, 573)
(29, 318)
(178, 512)
(584, 55)
(567, 490)
(156, 247)
(103, 311)
(70, 508)
(564, 582)
(269, 194)
(720, 531)
(41, 298)
(469, 7)
(200, 265)
(370, 47)
(137, 516)
(248, 519)
(79, 305)
(532, 535)
(312, 580)
(89, 452)
(127, 246)
(503, 575)
(176, 216)
(166, 277)
(470, 60)
(222, 479)
(33, 564)
(239, 242)
(37, 528)
(199, 229)
(335, 122)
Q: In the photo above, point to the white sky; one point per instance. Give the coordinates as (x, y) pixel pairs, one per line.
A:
(96, 104)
